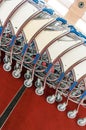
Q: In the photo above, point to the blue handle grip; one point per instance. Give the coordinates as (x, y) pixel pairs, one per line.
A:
(83, 95)
(73, 86)
(62, 20)
(12, 41)
(73, 30)
(48, 10)
(48, 68)
(24, 49)
(81, 35)
(36, 1)
(61, 77)
(1, 29)
(36, 58)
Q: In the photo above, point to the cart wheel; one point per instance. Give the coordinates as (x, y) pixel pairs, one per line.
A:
(81, 122)
(7, 67)
(72, 114)
(28, 83)
(39, 91)
(16, 75)
(62, 107)
(51, 99)
(26, 76)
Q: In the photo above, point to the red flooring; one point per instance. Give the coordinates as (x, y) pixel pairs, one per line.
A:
(33, 112)
(8, 87)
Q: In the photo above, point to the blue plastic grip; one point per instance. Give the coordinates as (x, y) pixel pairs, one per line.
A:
(48, 68)
(36, 1)
(12, 41)
(61, 77)
(62, 20)
(81, 35)
(48, 10)
(83, 95)
(1, 29)
(73, 86)
(72, 29)
(36, 58)
(24, 49)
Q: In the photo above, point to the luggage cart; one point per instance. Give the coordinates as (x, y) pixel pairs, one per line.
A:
(55, 51)
(7, 66)
(7, 8)
(15, 23)
(31, 30)
(76, 92)
(67, 64)
(42, 42)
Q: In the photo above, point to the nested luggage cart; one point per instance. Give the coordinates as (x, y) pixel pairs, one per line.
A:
(55, 51)
(77, 91)
(19, 17)
(40, 45)
(48, 48)
(16, 30)
(7, 8)
(67, 64)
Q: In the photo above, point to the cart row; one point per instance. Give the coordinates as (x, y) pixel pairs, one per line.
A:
(48, 47)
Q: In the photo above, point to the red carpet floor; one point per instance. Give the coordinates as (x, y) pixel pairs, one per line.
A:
(33, 112)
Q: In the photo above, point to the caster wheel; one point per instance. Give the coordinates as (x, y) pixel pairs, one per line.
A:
(72, 114)
(16, 75)
(39, 91)
(27, 76)
(81, 122)
(61, 107)
(6, 61)
(59, 98)
(28, 83)
(7, 67)
(50, 99)
(38, 85)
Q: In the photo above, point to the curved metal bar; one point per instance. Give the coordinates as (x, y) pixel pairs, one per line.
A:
(79, 80)
(41, 29)
(10, 15)
(45, 48)
(58, 57)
